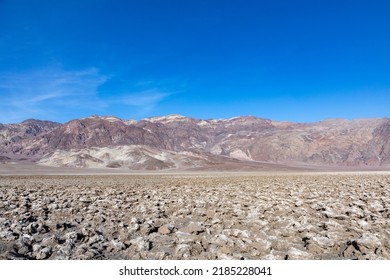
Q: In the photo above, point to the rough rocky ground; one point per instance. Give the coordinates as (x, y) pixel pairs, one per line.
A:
(311, 216)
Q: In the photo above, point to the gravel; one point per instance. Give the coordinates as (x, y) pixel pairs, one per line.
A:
(209, 216)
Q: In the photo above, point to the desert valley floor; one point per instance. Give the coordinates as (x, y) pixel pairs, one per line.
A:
(196, 216)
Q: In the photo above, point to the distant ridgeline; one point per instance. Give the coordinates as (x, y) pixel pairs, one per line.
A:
(178, 142)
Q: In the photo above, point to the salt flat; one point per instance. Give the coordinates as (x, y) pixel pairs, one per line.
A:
(196, 216)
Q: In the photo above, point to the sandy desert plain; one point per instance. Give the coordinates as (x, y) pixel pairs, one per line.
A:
(201, 215)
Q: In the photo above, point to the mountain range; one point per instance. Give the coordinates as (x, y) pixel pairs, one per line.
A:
(178, 142)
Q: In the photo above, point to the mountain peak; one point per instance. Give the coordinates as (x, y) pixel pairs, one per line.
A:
(167, 119)
(107, 118)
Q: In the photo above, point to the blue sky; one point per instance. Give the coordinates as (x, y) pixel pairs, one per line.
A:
(302, 60)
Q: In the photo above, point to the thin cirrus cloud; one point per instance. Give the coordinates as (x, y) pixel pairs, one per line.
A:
(39, 94)
(145, 100)
(60, 95)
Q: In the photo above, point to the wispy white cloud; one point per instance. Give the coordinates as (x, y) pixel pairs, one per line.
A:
(143, 101)
(144, 98)
(47, 84)
(57, 94)
(43, 92)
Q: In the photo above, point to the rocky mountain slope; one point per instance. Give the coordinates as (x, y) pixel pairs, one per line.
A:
(15, 139)
(176, 141)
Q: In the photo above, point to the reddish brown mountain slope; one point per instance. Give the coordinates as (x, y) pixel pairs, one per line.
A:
(179, 142)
